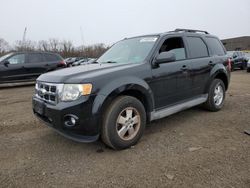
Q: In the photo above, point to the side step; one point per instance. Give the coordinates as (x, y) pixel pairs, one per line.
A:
(177, 108)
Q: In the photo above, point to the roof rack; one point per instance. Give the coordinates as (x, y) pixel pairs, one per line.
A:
(191, 31)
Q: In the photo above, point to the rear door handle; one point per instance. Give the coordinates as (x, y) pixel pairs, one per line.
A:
(184, 68)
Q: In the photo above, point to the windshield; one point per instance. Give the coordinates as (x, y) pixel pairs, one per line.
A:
(230, 52)
(133, 50)
(248, 55)
(5, 56)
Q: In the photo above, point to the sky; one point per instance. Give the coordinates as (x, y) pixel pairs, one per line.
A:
(107, 21)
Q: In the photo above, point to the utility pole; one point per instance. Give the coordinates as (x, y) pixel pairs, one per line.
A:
(82, 36)
(24, 37)
(82, 40)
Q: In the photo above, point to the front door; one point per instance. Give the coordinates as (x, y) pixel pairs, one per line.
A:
(171, 81)
(14, 70)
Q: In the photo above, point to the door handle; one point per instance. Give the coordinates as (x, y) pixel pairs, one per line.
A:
(211, 63)
(184, 68)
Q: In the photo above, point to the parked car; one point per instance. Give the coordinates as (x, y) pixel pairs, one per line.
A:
(77, 63)
(248, 62)
(138, 80)
(90, 61)
(71, 60)
(27, 66)
(238, 59)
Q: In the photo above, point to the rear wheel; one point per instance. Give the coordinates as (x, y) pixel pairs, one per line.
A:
(123, 123)
(248, 69)
(216, 96)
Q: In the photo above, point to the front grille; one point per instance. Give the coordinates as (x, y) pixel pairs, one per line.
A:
(48, 92)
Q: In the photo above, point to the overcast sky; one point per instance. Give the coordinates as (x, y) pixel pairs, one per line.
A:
(106, 21)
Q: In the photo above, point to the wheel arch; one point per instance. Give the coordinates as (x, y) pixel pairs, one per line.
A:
(218, 74)
(131, 86)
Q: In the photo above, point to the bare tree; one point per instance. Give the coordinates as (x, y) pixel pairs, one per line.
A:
(65, 47)
(26, 45)
(4, 46)
(43, 45)
(54, 44)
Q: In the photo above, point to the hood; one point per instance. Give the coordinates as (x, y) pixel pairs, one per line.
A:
(82, 73)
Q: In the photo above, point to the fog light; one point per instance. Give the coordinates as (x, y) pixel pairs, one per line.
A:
(73, 120)
(70, 120)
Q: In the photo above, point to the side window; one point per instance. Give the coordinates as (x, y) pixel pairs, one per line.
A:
(197, 47)
(215, 46)
(176, 46)
(17, 59)
(51, 57)
(35, 58)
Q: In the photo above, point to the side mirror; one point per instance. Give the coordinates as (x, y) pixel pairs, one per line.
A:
(6, 63)
(165, 57)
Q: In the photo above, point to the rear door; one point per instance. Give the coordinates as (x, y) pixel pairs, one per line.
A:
(200, 63)
(53, 61)
(36, 65)
(15, 70)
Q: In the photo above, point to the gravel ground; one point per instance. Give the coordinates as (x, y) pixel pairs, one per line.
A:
(194, 148)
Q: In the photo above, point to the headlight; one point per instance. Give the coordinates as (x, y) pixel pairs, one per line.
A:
(72, 92)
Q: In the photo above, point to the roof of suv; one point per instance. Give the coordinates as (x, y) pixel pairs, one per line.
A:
(179, 31)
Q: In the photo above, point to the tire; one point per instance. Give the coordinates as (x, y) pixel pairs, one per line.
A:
(244, 65)
(248, 69)
(118, 131)
(213, 104)
(232, 67)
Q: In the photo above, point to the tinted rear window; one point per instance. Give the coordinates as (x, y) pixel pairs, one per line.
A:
(52, 57)
(35, 58)
(215, 46)
(197, 47)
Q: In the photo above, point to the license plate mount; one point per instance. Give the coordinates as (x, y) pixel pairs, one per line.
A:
(38, 107)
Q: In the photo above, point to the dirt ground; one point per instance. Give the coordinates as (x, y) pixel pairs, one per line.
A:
(194, 148)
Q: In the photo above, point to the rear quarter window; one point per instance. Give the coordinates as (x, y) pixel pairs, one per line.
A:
(52, 57)
(35, 58)
(215, 46)
(197, 47)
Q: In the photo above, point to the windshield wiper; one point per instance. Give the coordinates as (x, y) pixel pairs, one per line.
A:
(95, 62)
(110, 62)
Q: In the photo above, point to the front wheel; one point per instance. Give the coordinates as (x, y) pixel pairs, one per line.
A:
(123, 122)
(216, 96)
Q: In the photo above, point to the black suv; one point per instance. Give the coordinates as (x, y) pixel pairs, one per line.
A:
(27, 66)
(136, 81)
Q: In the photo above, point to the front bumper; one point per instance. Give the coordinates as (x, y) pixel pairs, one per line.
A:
(86, 128)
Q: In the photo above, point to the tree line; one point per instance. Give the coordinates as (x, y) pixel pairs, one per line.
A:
(63, 47)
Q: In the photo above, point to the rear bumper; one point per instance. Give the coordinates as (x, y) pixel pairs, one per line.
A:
(86, 128)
